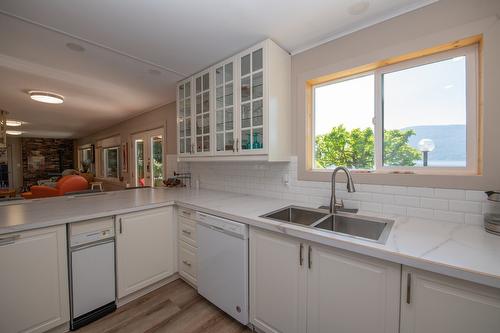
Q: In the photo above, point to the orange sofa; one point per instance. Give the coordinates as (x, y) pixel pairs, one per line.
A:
(66, 184)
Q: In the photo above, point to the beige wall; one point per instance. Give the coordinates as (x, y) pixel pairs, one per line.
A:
(164, 116)
(439, 23)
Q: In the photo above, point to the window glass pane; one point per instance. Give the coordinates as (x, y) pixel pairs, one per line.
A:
(199, 125)
(245, 115)
(198, 84)
(245, 65)
(139, 161)
(198, 103)
(206, 123)
(229, 119)
(229, 94)
(257, 85)
(219, 120)
(188, 127)
(219, 98)
(181, 91)
(182, 146)
(206, 101)
(245, 89)
(157, 161)
(199, 146)
(229, 141)
(187, 110)
(257, 60)
(246, 140)
(206, 81)
(181, 109)
(257, 113)
(220, 141)
(111, 156)
(188, 89)
(343, 128)
(188, 145)
(257, 138)
(206, 143)
(181, 129)
(228, 72)
(425, 115)
(218, 76)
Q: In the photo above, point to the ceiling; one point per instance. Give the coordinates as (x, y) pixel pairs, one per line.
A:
(125, 41)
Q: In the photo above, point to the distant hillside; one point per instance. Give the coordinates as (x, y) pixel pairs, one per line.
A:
(449, 140)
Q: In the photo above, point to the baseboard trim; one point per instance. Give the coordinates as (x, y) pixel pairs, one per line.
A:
(129, 298)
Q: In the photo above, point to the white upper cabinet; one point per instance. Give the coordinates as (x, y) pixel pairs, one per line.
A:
(242, 108)
(202, 113)
(184, 118)
(225, 110)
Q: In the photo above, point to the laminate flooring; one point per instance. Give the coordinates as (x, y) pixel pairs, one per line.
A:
(173, 308)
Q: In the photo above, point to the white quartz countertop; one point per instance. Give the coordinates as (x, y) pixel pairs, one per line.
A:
(458, 250)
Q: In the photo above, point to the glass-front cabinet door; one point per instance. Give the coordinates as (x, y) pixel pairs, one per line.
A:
(202, 113)
(184, 118)
(225, 120)
(252, 101)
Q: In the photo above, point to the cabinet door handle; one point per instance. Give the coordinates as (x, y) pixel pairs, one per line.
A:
(237, 145)
(187, 263)
(309, 257)
(9, 240)
(186, 232)
(120, 224)
(301, 254)
(408, 288)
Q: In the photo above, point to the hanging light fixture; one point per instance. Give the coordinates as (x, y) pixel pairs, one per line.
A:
(3, 129)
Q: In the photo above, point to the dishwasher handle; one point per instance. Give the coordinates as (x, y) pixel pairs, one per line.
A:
(219, 229)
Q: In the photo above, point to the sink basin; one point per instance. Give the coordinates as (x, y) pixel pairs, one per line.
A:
(368, 228)
(298, 215)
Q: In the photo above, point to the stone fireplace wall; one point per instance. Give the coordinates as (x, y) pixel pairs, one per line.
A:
(43, 158)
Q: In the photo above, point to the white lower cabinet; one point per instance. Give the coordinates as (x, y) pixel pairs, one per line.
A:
(277, 283)
(348, 292)
(33, 280)
(146, 249)
(433, 303)
(296, 286)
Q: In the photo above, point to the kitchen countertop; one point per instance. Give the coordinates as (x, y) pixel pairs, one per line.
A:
(458, 250)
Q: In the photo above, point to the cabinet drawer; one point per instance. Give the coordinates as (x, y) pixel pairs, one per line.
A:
(187, 231)
(187, 261)
(187, 213)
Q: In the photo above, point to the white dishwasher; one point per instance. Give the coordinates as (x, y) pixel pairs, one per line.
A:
(223, 264)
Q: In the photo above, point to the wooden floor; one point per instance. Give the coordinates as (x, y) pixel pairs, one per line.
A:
(174, 308)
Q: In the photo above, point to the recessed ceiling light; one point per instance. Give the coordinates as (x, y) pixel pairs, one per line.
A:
(14, 123)
(75, 47)
(359, 8)
(14, 132)
(46, 97)
(154, 72)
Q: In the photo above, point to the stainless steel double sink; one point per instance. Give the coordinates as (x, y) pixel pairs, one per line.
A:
(357, 226)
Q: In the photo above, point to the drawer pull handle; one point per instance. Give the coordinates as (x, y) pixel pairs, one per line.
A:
(301, 256)
(186, 232)
(187, 263)
(408, 288)
(9, 240)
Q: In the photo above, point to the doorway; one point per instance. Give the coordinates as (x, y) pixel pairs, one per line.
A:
(148, 154)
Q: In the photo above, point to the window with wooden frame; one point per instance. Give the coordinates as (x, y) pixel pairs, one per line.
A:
(413, 114)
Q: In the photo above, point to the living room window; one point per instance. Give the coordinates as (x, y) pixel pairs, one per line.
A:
(111, 162)
(413, 116)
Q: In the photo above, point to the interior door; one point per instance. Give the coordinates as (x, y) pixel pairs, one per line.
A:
(148, 154)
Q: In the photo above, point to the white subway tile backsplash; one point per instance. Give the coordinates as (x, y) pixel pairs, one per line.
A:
(465, 206)
(420, 212)
(266, 179)
(449, 216)
(434, 203)
(449, 194)
(407, 201)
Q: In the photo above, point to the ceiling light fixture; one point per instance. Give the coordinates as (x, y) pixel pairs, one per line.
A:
(46, 97)
(14, 123)
(14, 132)
(75, 47)
(359, 8)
